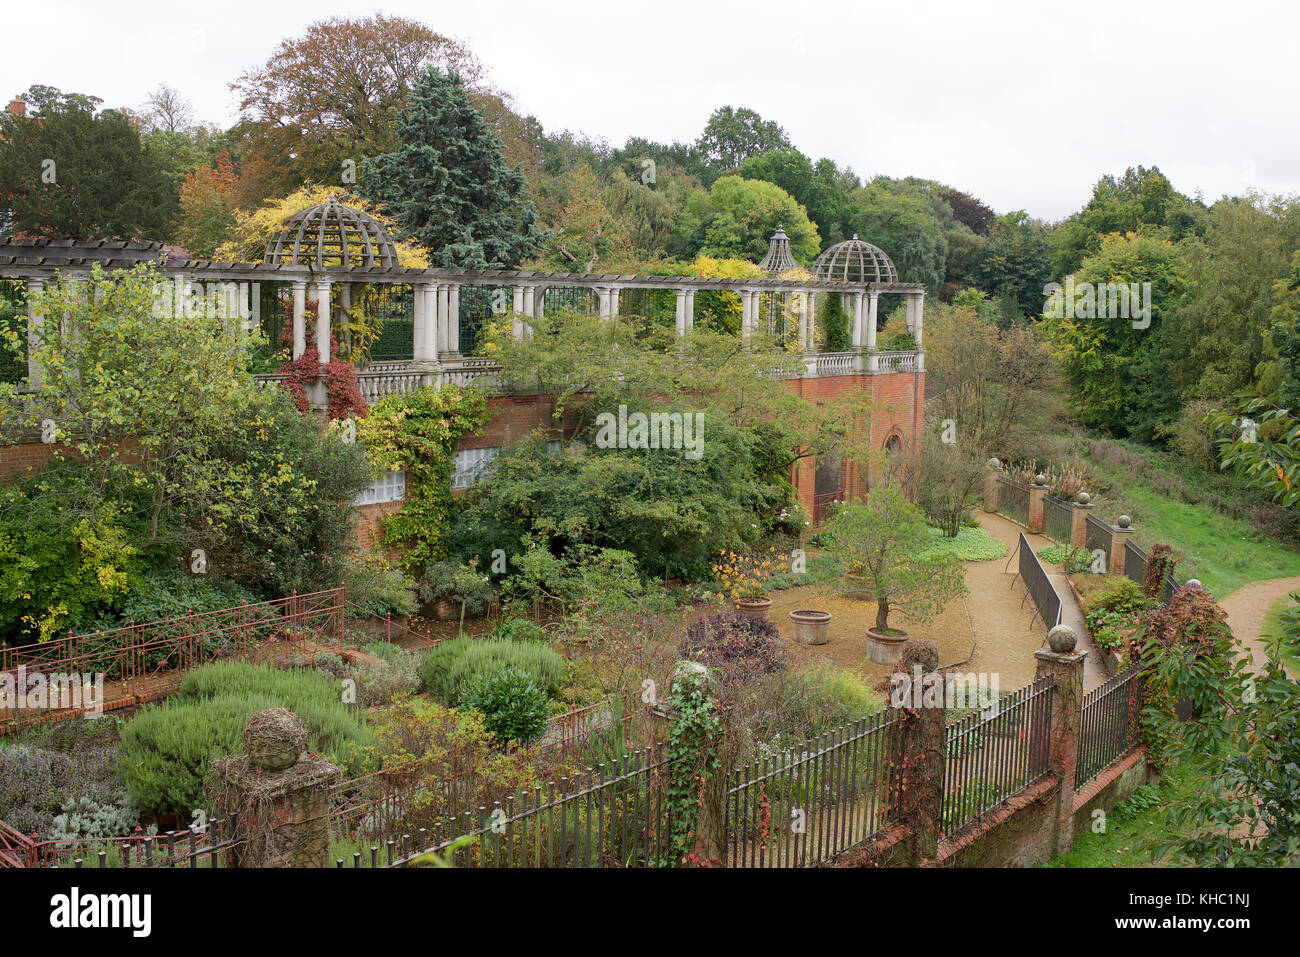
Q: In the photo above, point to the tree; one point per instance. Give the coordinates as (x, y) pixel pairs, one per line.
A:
(902, 221)
(208, 200)
(584, 230)
(731, 135)
(884, 539)
(949, 482)
(1015, 262)
(169, 110)
(332, 95)
(69, 173)
(737, 217)
(447, 185)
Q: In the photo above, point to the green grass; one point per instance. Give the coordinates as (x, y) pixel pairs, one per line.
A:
(1271, 627)
(1122, 845)
(1223, 552)
(971, 545)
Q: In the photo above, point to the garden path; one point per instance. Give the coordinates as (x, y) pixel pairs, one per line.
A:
(1246, 608)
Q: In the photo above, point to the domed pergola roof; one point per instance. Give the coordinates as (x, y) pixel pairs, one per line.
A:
(855, 261)
(779, 258)
(332, 234)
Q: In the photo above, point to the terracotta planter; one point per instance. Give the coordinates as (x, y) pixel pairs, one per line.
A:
(885, 649)
(811, 627)
(754, 607)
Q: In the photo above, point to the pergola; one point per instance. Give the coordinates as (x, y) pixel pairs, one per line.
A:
(335, 245)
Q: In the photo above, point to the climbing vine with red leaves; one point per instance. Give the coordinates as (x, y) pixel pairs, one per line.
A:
(342, 387)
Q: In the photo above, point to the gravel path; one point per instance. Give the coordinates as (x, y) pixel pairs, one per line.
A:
(1246, 608)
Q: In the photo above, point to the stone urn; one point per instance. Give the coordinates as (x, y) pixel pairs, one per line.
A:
(811, 627)
(754, 607)
(885, 647)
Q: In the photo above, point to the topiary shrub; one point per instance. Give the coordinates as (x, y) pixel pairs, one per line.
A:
(450, 665)
(737, 646)
(513, 707)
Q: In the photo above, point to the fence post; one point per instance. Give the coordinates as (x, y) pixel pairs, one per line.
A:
(918, 746)
(1121, 533)
(1065, 666)
(1079, 519)
(1037, 497)
(697, 788)
(991, 485)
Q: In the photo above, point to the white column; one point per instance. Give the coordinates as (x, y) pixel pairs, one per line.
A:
(517, 307)
(920, 311)
(873, 306)
(614, 292)
(432, 332)
(745, 316)
(690, 309)
(857, 320)
(909, 311)
(681, 312)
(444, 311)
(453, 318)
(323, 320)
(530, 301)
(299, 317)
(34, 289)
(803, 321)
(602, 302)
(418, 332)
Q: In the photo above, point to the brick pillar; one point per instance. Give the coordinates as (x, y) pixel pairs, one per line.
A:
(991, 486)
(1037, 497)
(276, 795)
(914, 776)
(1079, 519)
(1120, 534)
(1065, 665)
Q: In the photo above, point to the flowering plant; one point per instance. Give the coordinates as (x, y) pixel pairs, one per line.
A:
(745, 576)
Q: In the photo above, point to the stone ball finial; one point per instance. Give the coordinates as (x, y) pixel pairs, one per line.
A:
(1193, 583)
(994, 463)
(919, 651)
(1062, 639)
(274, 739)
(1083, 498)
(1040, 479)
(1124, 522)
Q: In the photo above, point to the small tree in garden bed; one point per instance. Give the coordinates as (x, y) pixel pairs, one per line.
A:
(880, 539)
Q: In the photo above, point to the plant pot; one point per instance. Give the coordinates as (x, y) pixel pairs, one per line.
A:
(754, 607)
(811, 627)
(857, 588)
(885, 649)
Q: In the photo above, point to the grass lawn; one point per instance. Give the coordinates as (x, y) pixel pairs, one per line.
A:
(1223, 552)
(1272, 627)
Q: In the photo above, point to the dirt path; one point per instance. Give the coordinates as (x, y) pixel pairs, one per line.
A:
(1246, 608)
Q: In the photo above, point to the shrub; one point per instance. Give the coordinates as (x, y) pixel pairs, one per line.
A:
(519, 629)
(171, 593)
(379, 682)
(447, 581)
(1073, 558)
(1116, 594)
(736, 645)
(378, 587)
(830, 697)
(450, 665)
(165, 750)
(37, 785)
(513, 707)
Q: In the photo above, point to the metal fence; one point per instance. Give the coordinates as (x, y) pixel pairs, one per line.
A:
(991, 756)
(207, 846)
(1135, 560)
(806, 805)
(1108, 727)
(1013, 500)
(1097, 536)
(1038, 586)
(1058, 520)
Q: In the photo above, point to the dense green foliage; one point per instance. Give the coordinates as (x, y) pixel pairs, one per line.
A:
(514, 708)
(449, 667)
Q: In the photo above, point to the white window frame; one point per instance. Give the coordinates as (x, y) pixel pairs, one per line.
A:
(389, 487)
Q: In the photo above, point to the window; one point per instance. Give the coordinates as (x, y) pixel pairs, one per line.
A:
(389, 487)
(471, 465)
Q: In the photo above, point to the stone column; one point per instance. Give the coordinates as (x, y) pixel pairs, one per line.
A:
(614, 293)
(1079, 509)
(991, 486)
(34, 288)
(918, 321)
(432, 332)
(1037, 503)
(299, 317)
(873, 307)
(276, 796)
(444, 310)
(858, 320)
(418, 331)
(690, 309)
(322, 298)
(453, 318)
(746, 317)
(530, 301)
(1121, 533)
(517, 308)
(1065, 666)
(803, 323)
(681, 312)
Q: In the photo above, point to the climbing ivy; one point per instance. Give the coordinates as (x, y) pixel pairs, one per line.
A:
(692, 758)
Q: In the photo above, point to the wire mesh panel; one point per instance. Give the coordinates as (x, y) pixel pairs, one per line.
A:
(394, 311)
(1013, 500)
(805, 805)
(1134, 561)
(1058, 520)
(13, 318)
(1098, 537)
(575, 298)
(1108, 725)
(1040, 588)
(992, 756)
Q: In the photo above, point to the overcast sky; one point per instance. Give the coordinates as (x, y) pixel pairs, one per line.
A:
(1024, 105)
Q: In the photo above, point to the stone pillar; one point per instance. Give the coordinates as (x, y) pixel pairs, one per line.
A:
(1079, 509)
(680, 315)
(34, 288)
(858, 320)
(1121, 533)
(745, 317)
(812, 322)
(444, 312)
(275, 795)
(322, 298)
(614, 293)
(531, 305)
(873, 308)
(917, 320)
(453, 318)
(418, 331)
(690, 309)
(517, 308)
(916, 748)
(991, 486)
(299, 317)
(1065, 666)
(432, 332)
(1037, 503)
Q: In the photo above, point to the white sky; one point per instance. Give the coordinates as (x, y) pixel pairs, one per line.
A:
(1022, 104)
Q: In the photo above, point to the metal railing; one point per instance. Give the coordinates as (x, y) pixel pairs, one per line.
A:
(1109, 724)
(1047, 601)
(1013, 500)
(989, 757)
(1135, 560)
(806, 805)
(1058, 520)
(1098, 536)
